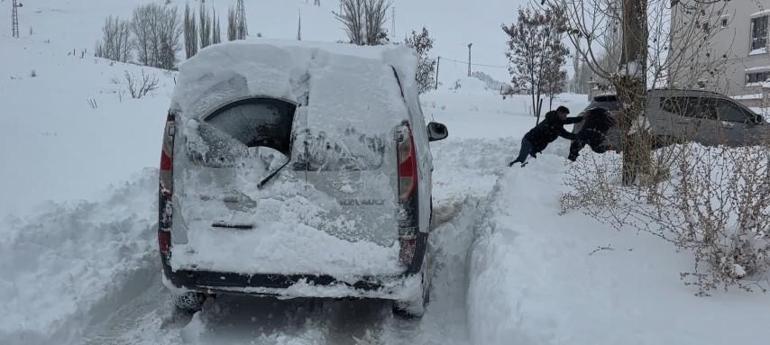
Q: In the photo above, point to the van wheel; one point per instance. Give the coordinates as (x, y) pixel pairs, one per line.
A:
(190, 302)
(414, 308)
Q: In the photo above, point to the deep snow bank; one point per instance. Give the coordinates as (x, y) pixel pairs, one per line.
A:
(57, 268)
(535, 280)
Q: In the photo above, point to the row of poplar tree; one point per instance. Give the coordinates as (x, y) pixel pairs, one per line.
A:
(153, 34)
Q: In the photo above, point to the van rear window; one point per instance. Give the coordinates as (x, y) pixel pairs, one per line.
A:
(257, 122)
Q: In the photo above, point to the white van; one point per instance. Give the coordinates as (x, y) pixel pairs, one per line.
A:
(296, 169)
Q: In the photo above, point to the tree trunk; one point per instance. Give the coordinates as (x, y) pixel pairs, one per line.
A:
(631, 87)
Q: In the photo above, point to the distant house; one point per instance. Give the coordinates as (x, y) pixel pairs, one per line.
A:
(731, 45)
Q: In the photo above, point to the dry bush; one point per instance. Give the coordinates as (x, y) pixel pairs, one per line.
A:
(140, 86)
(715, 204)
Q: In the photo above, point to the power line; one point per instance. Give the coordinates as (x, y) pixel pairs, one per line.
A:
(473, 64)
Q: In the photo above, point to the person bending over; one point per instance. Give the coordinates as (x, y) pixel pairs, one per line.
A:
(546, 132)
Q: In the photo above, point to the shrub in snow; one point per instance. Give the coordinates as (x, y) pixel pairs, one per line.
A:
(33, 74)
(364, 21)
(140, 86)
(157, 34)
(711, 201)
(115, 43)
(537, 53)
(422, 43)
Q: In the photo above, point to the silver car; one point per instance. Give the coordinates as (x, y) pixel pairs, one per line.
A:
(677, 116)
(295, 169)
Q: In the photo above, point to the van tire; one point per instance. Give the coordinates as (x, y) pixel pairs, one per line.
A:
(189, 302)
(414, 308)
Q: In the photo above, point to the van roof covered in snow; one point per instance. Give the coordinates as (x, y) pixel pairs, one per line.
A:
(331, 80)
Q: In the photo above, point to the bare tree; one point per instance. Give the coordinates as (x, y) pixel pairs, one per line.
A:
(115, 44)
(364, 20)
(643, 54)
(216, 35)
(375, 16)
(537, 53)
(352, 17)
(205, 26)
(422, 43)
(710, 201)
(157, 34)
(242, 28)
(190, 33)
(232, 25)
(140, 86)
(237, 28)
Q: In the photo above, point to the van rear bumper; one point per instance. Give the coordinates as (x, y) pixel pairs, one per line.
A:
(292, 285)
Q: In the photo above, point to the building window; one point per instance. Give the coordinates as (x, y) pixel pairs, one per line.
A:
(758, 77)
(725, 22)
(759, 33)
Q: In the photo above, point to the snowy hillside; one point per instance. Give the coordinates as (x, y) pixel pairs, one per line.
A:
(56, 33)
(78, 211)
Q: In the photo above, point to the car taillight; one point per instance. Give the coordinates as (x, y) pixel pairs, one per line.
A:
(166, 187)
(408, 219)
(407, 164)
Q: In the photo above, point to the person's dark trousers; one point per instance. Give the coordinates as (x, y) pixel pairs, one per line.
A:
(526, 149)
(574, 149)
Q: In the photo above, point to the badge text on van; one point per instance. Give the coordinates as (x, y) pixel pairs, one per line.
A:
(362, 202)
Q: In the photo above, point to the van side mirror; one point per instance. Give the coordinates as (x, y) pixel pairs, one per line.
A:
(437, 131)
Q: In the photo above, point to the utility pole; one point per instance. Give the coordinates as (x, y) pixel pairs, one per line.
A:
(438, 64)
(393, 19)
(299, 26)
(469, 58)
(15, 18)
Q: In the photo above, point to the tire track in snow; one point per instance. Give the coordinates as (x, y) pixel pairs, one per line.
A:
(466, 173)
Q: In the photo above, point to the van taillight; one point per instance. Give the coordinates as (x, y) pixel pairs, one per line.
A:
(166, 187)
(408, 219)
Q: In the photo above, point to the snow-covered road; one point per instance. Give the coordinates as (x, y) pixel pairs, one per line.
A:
(140, 313)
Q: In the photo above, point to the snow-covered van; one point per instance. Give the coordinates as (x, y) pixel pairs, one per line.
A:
(296, 169)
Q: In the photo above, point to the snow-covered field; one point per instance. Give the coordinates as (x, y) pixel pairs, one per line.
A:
(78, 201)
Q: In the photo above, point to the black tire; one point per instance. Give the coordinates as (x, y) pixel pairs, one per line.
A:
(414, 308)
(190, 302)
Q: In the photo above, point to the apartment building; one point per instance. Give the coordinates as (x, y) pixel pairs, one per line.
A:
(731, 46)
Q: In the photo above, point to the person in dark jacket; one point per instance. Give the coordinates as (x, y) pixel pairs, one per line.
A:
(546, 132)
(598, 122)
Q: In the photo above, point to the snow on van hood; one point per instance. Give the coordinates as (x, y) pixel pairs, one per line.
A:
(336, 81)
